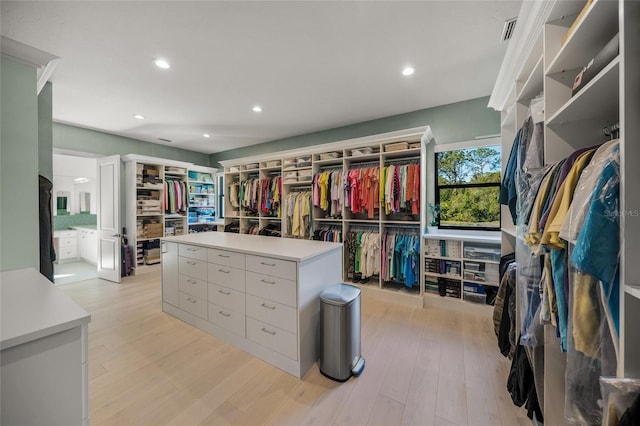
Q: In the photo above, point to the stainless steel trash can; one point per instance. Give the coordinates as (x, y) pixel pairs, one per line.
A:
(340, 356)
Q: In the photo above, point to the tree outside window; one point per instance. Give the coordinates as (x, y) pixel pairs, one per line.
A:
(467, 188)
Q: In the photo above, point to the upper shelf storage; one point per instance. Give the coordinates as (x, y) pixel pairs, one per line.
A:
(533, 84)
(598, 100)
(595, 28)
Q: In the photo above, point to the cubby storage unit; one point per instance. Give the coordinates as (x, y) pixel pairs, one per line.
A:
(572, 34)
(298, 169)
(158, 203)
(202, 195)
(461, 266)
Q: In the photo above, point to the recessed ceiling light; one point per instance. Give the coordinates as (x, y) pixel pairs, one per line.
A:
(257, 108)
(408, 71)
(138, 116)
(161, 63)
(206, 135)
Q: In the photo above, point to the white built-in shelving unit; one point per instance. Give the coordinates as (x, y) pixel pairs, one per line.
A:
(573, 122)
(147, 217)
(297, 168)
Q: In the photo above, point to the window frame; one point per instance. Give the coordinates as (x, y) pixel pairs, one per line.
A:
(437, 187)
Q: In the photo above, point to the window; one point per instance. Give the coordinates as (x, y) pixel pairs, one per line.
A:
(467, 188)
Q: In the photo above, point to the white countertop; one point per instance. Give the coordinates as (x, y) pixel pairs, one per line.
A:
(282, 248)
(90, 227)
(488, 237)
(31, 307)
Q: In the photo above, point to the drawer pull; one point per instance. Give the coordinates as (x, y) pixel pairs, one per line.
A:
(191, 300)
(226, 293)
(223, 271)
(273, 333)
(264, 305)
(192, 263)
(267, 264)
(224, 314)
(268, 282)
(192, 282)
(223, 255)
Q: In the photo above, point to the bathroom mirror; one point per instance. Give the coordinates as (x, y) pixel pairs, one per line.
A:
(84, 202)
(63, 202)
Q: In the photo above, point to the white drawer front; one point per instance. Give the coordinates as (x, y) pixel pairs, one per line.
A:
(65, 234)
(270, 312)
(226, 297)
(272, 288)
(68, 252)
(193, 268)
(275, 267)
(227, 318)
(193, 286)
(226, 258)
(193, 305)
(226, 276)
(67, 242)
(193, 252)
(273, 338)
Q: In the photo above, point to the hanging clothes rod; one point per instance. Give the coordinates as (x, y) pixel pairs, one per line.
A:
(329, 168)
(370, 164)
(402, 226)
(305, 188)
(407, 160)
(611, 130)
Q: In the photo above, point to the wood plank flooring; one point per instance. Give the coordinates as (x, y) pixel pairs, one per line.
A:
(428, 366)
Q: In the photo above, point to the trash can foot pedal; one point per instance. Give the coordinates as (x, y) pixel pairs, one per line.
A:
(358, 368)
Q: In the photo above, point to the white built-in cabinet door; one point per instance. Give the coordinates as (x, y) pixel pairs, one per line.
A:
(170, 276)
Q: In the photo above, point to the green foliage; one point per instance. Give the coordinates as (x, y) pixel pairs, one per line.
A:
(434, 211)
(469, 206)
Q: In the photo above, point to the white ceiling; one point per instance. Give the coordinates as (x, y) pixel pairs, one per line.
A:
(311, 65)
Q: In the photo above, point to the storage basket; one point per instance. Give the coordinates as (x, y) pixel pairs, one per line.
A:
(399, 146)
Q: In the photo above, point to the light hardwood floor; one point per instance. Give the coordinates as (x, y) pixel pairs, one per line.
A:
(423, 367)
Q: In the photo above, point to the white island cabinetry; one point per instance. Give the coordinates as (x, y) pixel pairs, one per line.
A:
(44, 353)
(258, 293)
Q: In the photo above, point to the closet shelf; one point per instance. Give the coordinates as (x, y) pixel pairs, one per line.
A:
(270, 169)
(199, 182)
(429, 256)
(174, 216)
(401, 222)
(509, 121)
(358, 158)
(509, 231)
(493, 262)
(149, 214)
(598, 100)
(492, 284)
(270, 218)
(633, 290)
(294, 169)
(330, 161)
(533, 85)
(401, 154)
(320, 219)
(453, 277)
(595, 29)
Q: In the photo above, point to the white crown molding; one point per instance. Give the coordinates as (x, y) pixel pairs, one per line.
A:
(44, 62)
(418, 133)
(531, 19)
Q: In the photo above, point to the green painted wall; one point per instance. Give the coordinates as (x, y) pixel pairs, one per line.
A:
(86, 140)
(45, 131)
(449, 123)
(19, 239)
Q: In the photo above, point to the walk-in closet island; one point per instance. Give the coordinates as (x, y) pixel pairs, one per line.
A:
(258, 293)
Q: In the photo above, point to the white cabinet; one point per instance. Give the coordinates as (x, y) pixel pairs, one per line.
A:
(43, 339)
(258, 293)
(88, 244)
(170, 276)
(461, 266)
(66, 245)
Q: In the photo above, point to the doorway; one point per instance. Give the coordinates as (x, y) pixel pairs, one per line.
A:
(74, 197)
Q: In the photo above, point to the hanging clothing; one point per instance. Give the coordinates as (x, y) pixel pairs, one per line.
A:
(298, 209)
(175, 196)
(270, 193)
